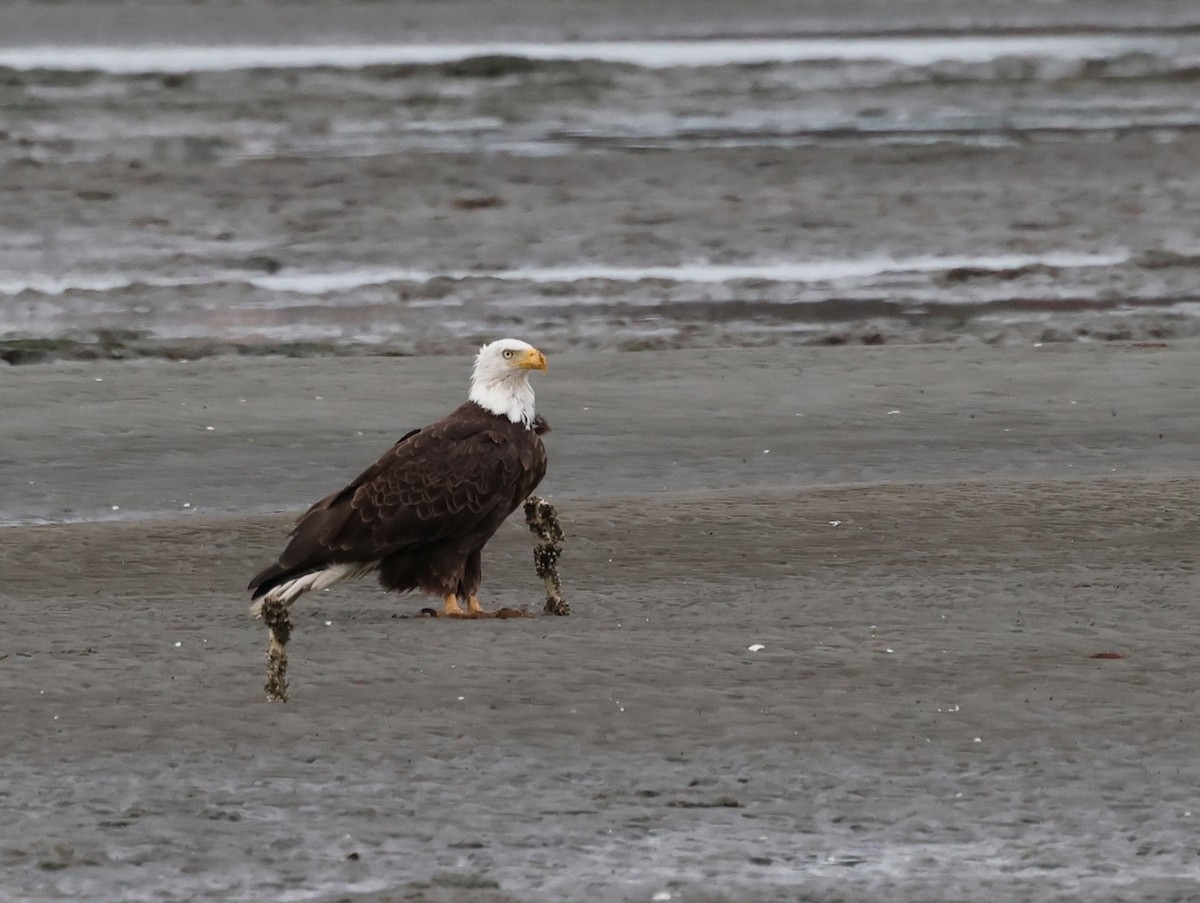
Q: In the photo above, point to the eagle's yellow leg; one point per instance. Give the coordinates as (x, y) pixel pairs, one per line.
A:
(450, 607)
(474, 609)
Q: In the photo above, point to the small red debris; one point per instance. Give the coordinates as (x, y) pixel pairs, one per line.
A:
(1106, 655)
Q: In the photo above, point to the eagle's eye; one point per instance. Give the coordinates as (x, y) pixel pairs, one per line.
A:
(508, 352)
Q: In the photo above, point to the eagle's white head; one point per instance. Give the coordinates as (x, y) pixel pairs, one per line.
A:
(500, 381)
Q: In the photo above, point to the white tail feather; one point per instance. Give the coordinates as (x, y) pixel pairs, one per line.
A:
(290, 590)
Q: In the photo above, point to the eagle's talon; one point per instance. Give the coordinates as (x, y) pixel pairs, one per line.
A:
(476, 610)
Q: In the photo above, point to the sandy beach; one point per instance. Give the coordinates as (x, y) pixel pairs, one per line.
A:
(931, 544)
(873, 380)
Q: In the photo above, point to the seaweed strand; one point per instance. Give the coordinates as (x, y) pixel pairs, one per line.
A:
(543, 523)
(279, 623)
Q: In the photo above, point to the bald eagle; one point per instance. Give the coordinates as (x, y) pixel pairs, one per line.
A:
(420, 516)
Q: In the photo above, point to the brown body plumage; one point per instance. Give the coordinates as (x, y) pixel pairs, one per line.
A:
(420, 516)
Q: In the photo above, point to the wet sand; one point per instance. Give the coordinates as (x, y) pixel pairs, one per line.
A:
(311, 203)
(931, 553)
(747, 206)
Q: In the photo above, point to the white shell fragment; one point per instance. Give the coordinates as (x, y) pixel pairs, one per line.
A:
(756, 647)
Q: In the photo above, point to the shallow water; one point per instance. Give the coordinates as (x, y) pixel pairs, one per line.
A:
(922, 51)
(380, 307)
(125, 258)
(798, 271)
(85, 103)
(227, 110)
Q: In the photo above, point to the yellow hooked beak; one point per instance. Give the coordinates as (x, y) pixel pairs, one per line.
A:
(531, 360)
